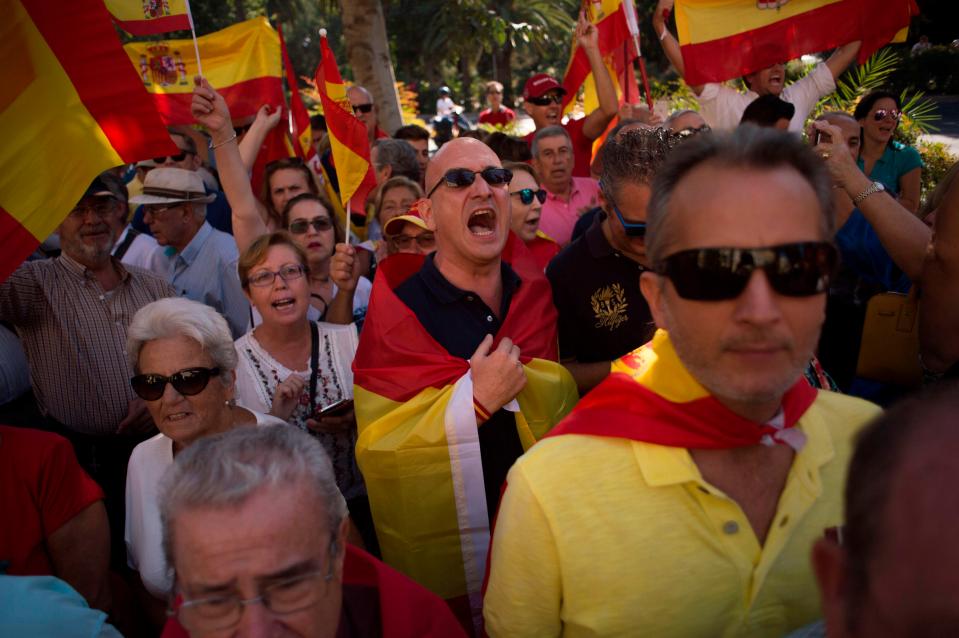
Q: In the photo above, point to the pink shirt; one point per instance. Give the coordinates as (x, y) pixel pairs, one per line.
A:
(559, 216)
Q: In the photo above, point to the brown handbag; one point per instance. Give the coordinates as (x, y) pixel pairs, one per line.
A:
(889, 351)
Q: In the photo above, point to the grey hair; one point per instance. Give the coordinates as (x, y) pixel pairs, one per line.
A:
(399, 154)
(675, 115)
(635, 155)
(548, 131)
(181, 317)
(226, 470)
(747, 146)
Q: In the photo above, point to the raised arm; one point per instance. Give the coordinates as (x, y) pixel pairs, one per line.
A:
(587, 36)
(210, 109)
(939, 312)
(902, 234)
(842, 57)
(669, 42)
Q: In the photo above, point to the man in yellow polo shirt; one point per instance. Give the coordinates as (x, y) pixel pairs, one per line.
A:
(683, 495)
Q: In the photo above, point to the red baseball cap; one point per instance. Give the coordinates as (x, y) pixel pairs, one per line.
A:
(540, 84)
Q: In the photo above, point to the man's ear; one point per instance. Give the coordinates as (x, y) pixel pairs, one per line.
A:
(651, 285)
(829, 565)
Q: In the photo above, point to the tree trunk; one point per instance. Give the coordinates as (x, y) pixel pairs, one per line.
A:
(240, 10)
(368, 51)
(504, 72)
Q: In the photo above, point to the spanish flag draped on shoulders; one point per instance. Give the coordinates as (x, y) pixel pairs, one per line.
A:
(418, 442)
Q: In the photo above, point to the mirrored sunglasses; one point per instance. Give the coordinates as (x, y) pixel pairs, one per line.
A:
(188, 382)
(882, 114)
(716, 274)
(526, 195)
(460, 177)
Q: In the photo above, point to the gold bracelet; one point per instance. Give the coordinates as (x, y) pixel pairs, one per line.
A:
(226, 141)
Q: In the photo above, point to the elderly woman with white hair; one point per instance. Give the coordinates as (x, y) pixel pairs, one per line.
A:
(183, 356)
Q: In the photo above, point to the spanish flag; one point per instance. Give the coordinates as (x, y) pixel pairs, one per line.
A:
(147, 17)
(723, 39)
(616, 46)
(418, 443)
(299, 117)
(348, 135)
(242, 62)
(650, 396)
(70, 107)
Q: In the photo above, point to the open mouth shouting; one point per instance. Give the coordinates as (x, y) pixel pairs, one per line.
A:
(284, 304)
(482, 222)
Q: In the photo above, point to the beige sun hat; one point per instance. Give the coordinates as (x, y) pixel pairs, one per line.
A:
(172, 186)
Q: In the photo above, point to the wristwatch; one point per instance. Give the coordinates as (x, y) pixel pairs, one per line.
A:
(875, 187)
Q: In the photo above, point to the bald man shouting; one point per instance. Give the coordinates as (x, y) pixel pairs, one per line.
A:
(456, 375)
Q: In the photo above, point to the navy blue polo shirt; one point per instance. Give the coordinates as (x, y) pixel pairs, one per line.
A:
(459, 320)
(602, 313)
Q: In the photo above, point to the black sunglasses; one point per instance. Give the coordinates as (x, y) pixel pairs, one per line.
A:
(179, 157)
(716, 274)
(319, 224)
(526, 195)
(188, 382)
(545, 100)
(881, 114)
(363, 108)
(460, 177)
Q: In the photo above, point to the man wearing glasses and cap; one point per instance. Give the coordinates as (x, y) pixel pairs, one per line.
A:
(197, 259)
(690, 485)
(602, 313)
(543, 101)
(455, 375)
(72, 315)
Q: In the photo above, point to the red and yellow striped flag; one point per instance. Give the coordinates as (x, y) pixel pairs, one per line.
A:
(724, 39)
(70, 107)
(299, 117)
(242, 62)
(147, 17)
(349, 140)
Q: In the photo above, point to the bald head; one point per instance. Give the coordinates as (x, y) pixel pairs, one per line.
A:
(453, 155)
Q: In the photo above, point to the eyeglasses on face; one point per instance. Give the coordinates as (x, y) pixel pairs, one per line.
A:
(264, 278)
(179, 157)
(319, 224)
(882, 114)
(159, 209)
(363, 108)
(426, 241)
(800, 269)
(632, 229)
(461, 177)
(100, 207)
(526, 195)
(283, 597)
(187, 382)
(546, 100)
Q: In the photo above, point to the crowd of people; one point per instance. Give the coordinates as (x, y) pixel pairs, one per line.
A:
(535, 392)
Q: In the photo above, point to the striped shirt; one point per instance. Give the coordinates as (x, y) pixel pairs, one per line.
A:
(74, 334)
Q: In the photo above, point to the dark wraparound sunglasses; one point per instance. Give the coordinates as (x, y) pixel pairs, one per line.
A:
(545, 100)
(188, 382)
(716, 274)
(526, 195)
(362, 108)
(460, 177)
(319, 224)
(179, 157)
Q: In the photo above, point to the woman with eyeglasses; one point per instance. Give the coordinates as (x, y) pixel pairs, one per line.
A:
(185, 363)
(526, 199)
(296, 369)
(896, 166)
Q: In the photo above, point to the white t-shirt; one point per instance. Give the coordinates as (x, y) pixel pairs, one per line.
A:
(143, 532)
(140, 252)
(444, 106)
(722, 106)
(258, 373)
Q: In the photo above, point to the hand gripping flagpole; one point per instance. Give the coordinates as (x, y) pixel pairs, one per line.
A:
(196, 46)
(629, 8)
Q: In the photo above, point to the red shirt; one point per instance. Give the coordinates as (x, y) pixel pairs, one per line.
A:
(543, 248)
(582, 146)
(42, 487)
(503, 116)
